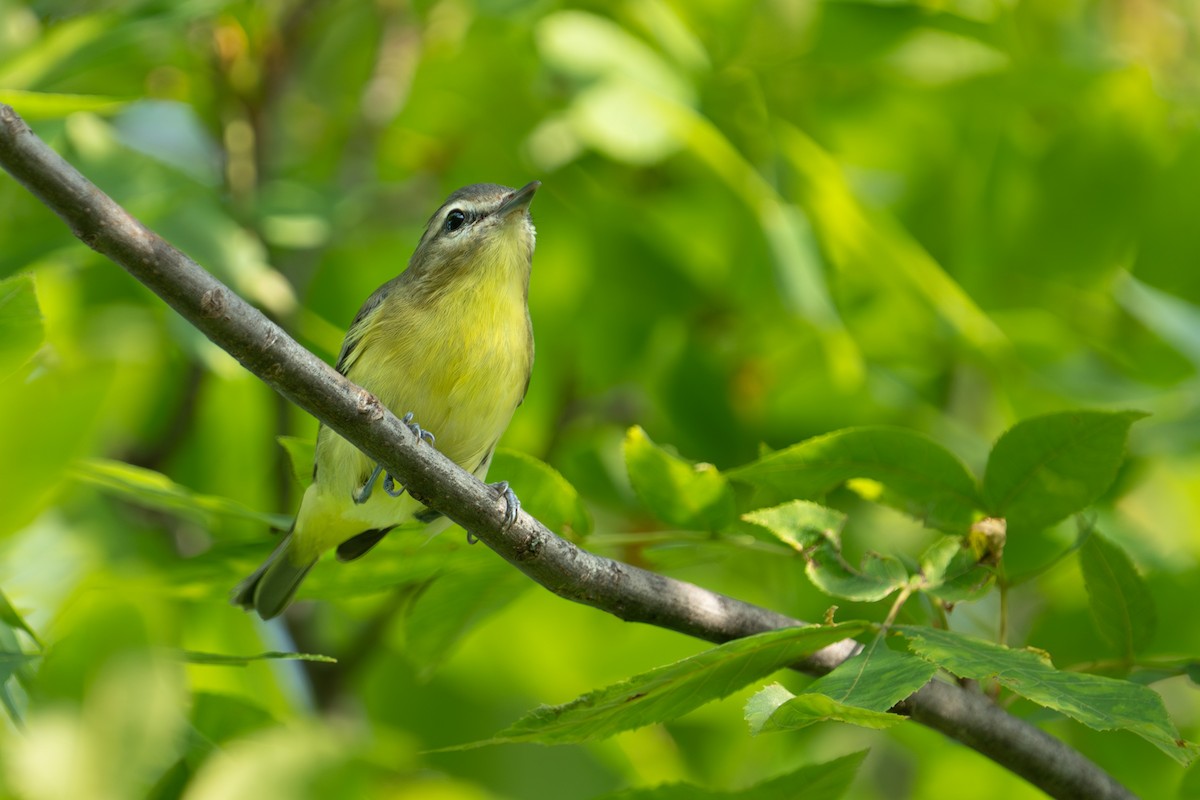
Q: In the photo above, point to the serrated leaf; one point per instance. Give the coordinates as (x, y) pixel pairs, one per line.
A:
(301, 453)
(952, 570)
(149, 488)
(878, 576)
(693, 496)
(827, 781)
(762, 704)
(1046, 468)
(815, 532)
(799, 524)
(1101, 703)
(673, 690)
(1121, 605)
(877, 678)
(776, 709)
(858, 691)
(223, 660)
(21, 330)
(544, 492)
(918, 476)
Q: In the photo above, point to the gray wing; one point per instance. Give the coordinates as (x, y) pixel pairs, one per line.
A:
(353, 337)
(355, 331)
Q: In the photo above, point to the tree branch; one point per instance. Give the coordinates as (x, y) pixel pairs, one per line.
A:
(628, 592)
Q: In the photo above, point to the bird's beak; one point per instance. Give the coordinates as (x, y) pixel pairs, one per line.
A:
(519, 200)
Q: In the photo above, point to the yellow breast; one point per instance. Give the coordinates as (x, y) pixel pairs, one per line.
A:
(460, 362)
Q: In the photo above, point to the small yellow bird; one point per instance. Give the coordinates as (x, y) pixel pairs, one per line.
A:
(447, 343)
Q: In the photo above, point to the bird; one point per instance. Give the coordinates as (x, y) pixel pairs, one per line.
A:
(447, 345)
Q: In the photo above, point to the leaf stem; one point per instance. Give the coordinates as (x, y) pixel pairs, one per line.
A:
(905, 593)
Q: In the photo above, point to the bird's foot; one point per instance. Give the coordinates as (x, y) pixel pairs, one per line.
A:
(389, 483)
(512, 507)
(364, 494)
(417, 430)
(389, 486)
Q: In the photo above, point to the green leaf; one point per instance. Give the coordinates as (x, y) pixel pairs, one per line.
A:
(673, 690)
(1120, 602)
(826, 781)
(222, 660)
(859, 691)
(544, 492)
(15, 673)
(776, 709)
(10, 695)
(800, 523)
(877, 678)
(694, 496)
(12, 618)
(34, 106)
(954, 571)
(878, 577)
(1100, 703)
(153, 489)
(814, 531)
(301, 453)
(21, 330)
(1046, 468)
(60, 44)
(918, 476)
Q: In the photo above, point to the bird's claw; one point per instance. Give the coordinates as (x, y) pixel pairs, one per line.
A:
(364, 494)
(512, 506)
(389, 486)
(389, 483)
(417, 430)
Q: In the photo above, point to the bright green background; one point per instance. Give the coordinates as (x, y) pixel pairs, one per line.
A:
(759, 222)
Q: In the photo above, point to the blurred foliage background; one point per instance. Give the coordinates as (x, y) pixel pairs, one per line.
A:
(759, 222)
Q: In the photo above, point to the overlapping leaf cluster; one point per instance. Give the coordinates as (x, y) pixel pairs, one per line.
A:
(760, 222)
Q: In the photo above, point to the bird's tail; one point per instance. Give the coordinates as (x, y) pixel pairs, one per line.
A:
(271, 587)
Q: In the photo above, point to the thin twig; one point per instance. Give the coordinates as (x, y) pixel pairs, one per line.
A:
(628, 592)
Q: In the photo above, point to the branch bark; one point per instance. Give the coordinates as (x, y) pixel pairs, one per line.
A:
(628, 592)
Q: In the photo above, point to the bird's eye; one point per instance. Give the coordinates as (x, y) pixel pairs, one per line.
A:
(455, 220)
